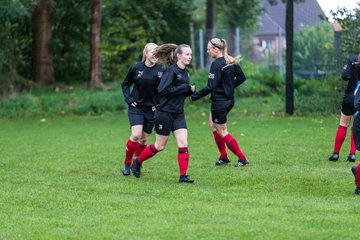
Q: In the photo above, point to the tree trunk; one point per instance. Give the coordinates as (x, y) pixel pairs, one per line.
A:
(43, 68)
(210, 27)
(95, 45)
(289, 77)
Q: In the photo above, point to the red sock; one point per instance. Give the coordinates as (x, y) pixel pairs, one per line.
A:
(148, 152)
(357, 176)
(232, 144)
(339, 138)
(221, 145)
(130, 149)
(352, 144)
(183, 160)
(139, 149)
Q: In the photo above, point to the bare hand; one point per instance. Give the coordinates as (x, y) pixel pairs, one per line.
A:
(192, 88)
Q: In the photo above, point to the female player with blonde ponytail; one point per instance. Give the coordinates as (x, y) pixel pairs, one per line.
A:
(225, 75)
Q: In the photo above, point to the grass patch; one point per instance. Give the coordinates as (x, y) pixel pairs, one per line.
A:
(60, 179)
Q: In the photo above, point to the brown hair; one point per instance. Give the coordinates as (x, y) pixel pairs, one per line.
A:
(166, 53)
(146, 49)
(222, 46)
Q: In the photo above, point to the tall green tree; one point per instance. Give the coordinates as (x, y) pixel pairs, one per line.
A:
(70, 41)
(129, 25)
(95, 45)
(314, 46)
(350, 35)
(15, 40)
(43, 67)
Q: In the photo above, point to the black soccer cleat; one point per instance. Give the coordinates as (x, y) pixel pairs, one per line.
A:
(334, 157)
(185, 179)
(126, 170)
(242, 163)
(222, 161)
(351, 158)
(357, 190)
(136, 167)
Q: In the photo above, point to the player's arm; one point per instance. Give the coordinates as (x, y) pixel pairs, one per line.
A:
(213, 80)
(239, 75)
(126, 84)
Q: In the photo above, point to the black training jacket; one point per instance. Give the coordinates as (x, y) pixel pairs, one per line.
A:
(173, 89)
(349, 74)
(222, 80)
(145, 80)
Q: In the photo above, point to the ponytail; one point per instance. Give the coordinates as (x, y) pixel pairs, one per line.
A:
(222, 46)
(166, 53)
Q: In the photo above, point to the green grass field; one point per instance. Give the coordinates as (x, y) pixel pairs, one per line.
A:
(60, 179)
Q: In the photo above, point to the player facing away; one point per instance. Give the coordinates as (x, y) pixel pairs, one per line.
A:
(144, 77)
(225, 75)
(174, 87)
(347, 112)
(355, 72)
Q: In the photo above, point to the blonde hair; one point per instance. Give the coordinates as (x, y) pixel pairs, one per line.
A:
(146, 50)
(222, 46)
(166, 53)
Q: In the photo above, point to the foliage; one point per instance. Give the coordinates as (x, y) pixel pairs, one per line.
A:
(129, 25)
(67, 101)
(70, 42)
(321, 97)
(350, 35)
(15, 53)
(314, 48)
(60, 179)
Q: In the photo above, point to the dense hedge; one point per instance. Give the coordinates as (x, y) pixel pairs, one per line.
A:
(315, 97)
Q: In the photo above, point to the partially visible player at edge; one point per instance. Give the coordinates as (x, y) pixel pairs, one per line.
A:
(174, 87)
(145, 77)
(225, 75)
(355, 73)
(347, 113)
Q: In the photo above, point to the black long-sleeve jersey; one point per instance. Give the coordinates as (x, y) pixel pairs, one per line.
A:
(145, 80)
(173, 89)
(223, 79)
(348, 74)
(355, 75)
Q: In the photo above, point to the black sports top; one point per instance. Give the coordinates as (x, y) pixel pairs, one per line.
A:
(222, 80)
(145, 80)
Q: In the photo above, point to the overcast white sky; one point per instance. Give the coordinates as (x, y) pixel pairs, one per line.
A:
(328, 5)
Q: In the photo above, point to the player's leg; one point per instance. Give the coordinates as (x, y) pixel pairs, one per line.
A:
(347, 110)
(163, 126)
(223, 159)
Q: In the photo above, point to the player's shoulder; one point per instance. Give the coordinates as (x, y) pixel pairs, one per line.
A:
(138, 65)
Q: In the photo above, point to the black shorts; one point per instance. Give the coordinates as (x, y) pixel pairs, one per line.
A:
(168, 122)
(142, 116)
(347, 107)
(356, 130)
(220, 110)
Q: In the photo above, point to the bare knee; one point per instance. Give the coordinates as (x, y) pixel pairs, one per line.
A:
(135, 137)
(345, 120)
